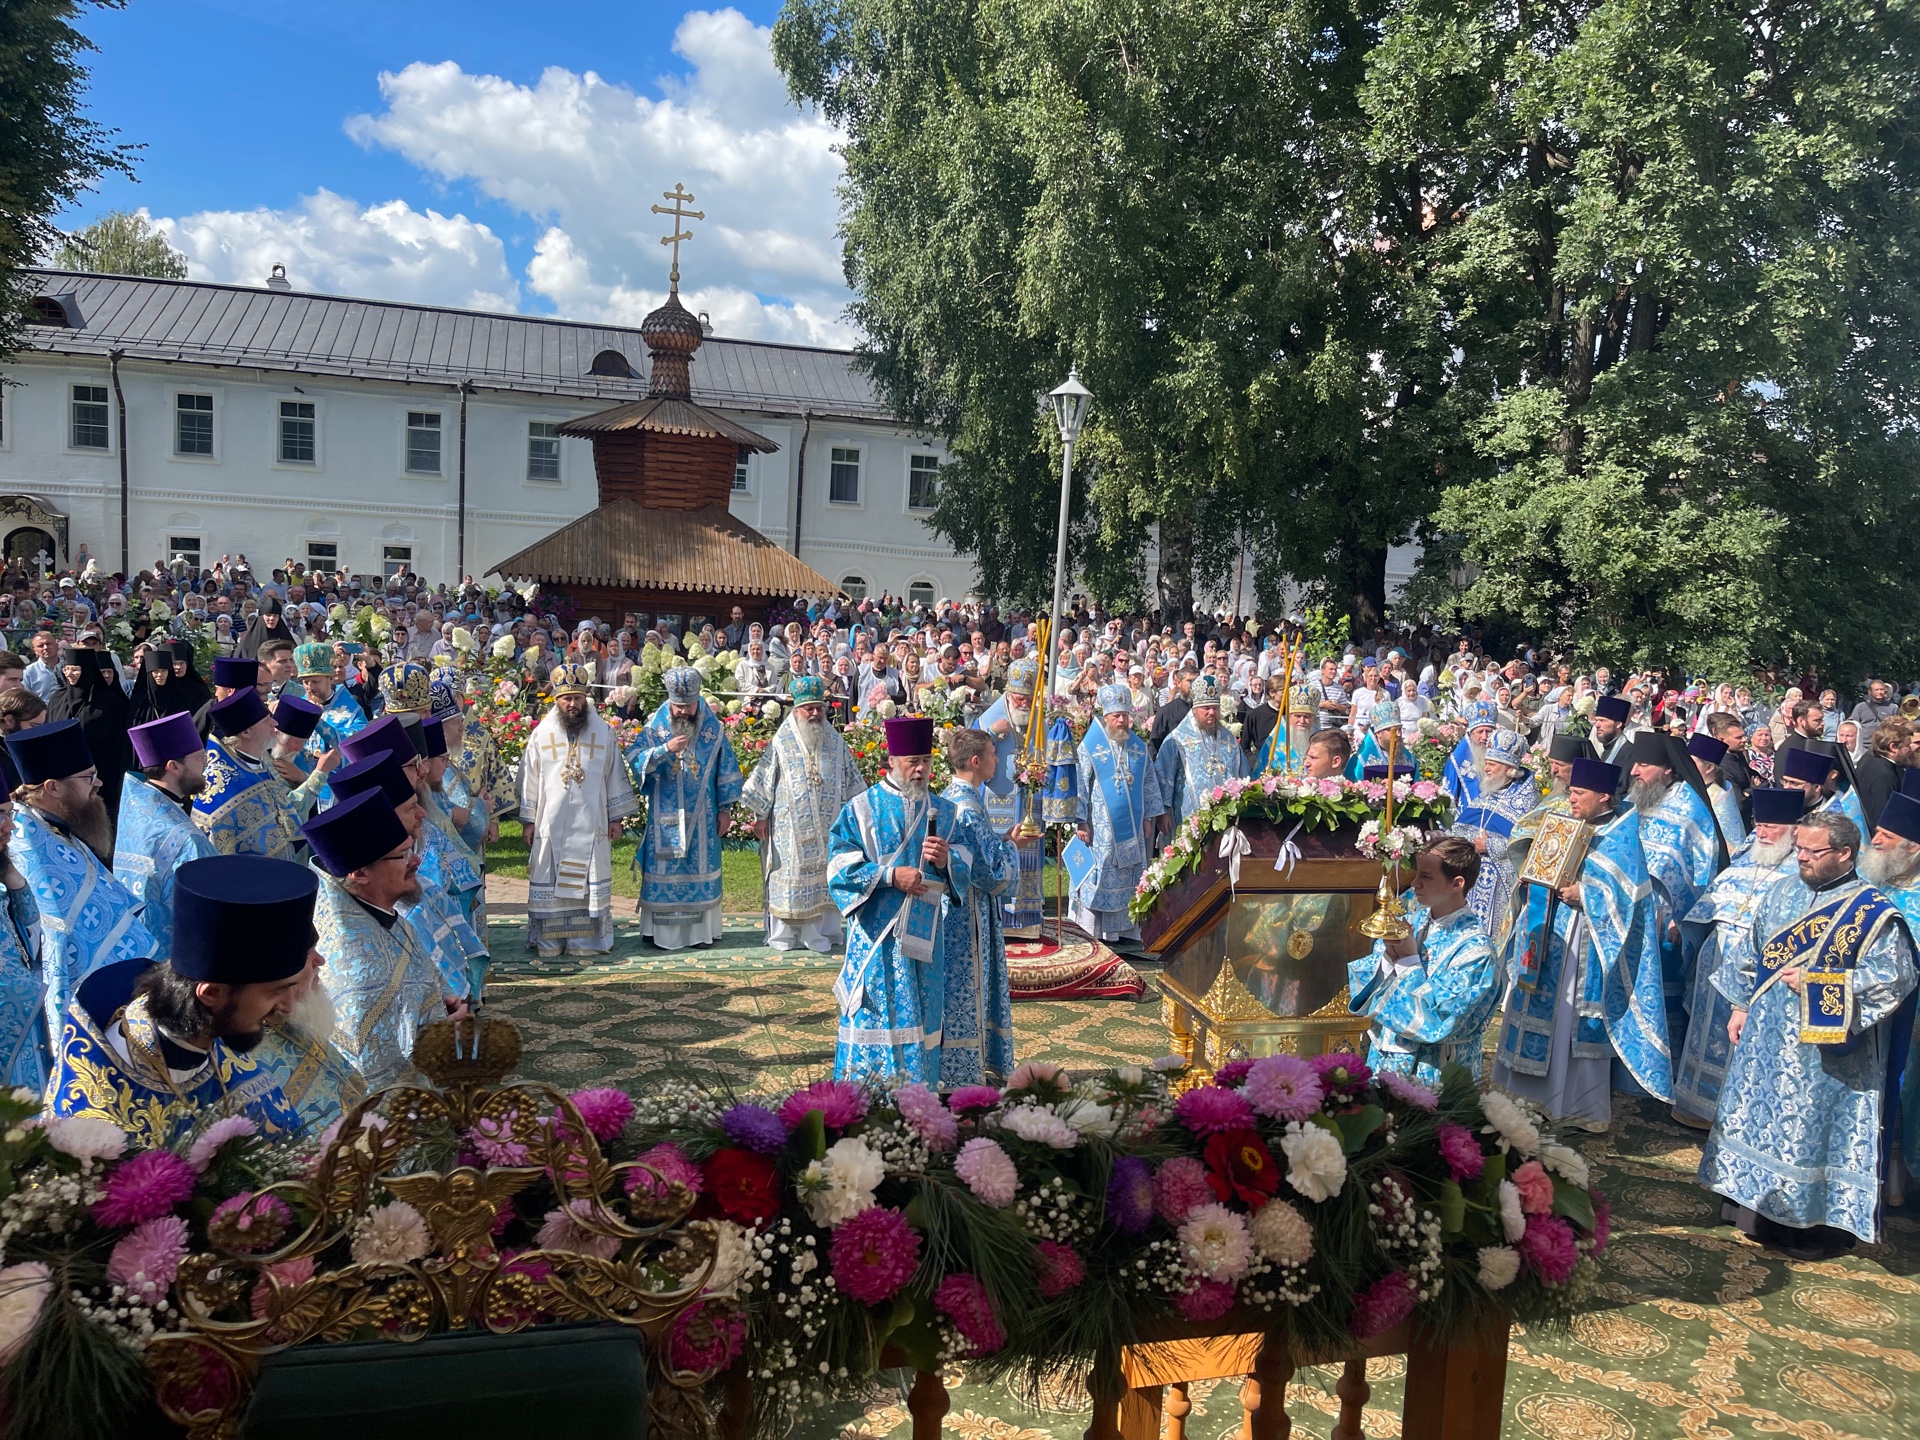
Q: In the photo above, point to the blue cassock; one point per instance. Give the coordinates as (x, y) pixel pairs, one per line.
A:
(459, 795)
(1434, 1012)
(323, 739)
(1122, 799)
(1847, 802)
(1683, 852)
(1726, 809)
(155, 837)
(1798, 1135)
(1719, 927)
(245, 809)
(1492, 817)
(680, 855)
(1192, 763)
(26, 1050)
(1461, 778)
(1007, 806)
(343, 715)
(1620, 1005)
(138, 1092)
(382, 982)
(87, 918)
(892, 985)
(314, 1078)
(450, 915)
(976, 1044)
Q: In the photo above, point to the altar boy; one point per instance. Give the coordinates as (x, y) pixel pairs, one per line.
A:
(1430, 995)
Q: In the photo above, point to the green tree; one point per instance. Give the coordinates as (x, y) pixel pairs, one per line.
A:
(121, 242)
(49, 150)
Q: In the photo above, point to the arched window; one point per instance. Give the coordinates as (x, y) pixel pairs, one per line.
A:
(45, 310)
(920, 592)
(855, 586)
(611, 362)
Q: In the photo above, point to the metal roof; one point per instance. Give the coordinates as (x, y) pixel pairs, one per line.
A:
(191, 322)
(706, 551)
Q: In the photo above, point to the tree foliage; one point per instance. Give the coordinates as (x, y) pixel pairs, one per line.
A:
(121, 242)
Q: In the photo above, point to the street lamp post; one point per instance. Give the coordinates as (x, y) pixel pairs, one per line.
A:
(1070, 405)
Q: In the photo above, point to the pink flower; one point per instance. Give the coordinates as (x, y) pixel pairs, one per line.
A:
(493, 1140)
(1382, 1305)
(1535, 1187)
(1219, 793)
(988, 1172)
(707, 1335)
(143, 1187)
(289, 1273)
(562, 1230)
(1461, 1152)
(1408, 1092)
(671, 1165)
(1283, 1087)
(1058, 1267)
(1233, 1074)
(1208, 1109)
(1602, 1220)
(1331, 789)
(841, 1104)
(223, 1131)
(1208, 1300)
(1180, 1187)
(931, 1120)
(249, 1223)
(1548, 1247)
(964, 1301)
(1425, 790)
(146, 1258)
(606, 1111)
(1341, 1072)
(1040, 1076)
(973, 1097)
(873, 1254)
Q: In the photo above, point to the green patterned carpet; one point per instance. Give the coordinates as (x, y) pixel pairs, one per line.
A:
(1704, 1335)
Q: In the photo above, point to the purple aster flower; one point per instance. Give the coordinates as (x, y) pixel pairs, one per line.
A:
(1283, 1087)
(1130, 1195)
(754, 1127)
(1461, 1152)
(1233, 1074)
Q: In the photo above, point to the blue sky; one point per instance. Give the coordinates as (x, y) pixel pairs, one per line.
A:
(458, 153)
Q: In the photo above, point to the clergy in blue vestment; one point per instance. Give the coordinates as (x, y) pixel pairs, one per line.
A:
(468, 807)
(1682, 849)
(481, 779)
(321, 667)
(406, 689)
(1120, 801)
(687, 770)
(1582, 970)
(1006, 720)
(1796, 1148)
(302, 752)
(26, 1049)
(795, 794)
(1890, 861)
(1707, 753)
(61, 838)
(1200, 755)
(976, 1045)
(382, 981)
(1719, 926)
(1815, 773)
(156, 834)
(246, 808)
(1461, 778)
(160, 1049)
(1504, 796)
(897, 857)
(1430, 995)
(1562, 751)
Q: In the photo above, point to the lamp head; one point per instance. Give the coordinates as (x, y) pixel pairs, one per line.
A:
(1071, 402)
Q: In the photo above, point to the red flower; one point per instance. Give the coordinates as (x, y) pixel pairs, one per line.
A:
(1239, 1166)
(744, 1185)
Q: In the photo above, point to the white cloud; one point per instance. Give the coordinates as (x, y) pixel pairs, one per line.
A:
(328, 243)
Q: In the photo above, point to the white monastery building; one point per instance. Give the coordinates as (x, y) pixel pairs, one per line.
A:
(363, 435)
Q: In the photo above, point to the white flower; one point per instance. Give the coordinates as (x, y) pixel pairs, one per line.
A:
(26, 1096)
(1088, 1117)
(1570, 1163)
(1166, 1063)
(770, 710)
(844, 1182)
(1509, 1122)
(1040, 1125)
(1316, 1163)
(1499, 1266)
(1130, 1075)
(394, 1234)
(1513, 1220)
(23, 1290)
(86, 1138)
(503, 648)
(1281, 1234)
(1215, 1242)
(730, 1256)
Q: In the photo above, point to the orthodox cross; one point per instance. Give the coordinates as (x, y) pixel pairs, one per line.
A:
(679, 196)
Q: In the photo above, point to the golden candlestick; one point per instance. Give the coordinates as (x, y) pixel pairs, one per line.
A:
(1388, 921)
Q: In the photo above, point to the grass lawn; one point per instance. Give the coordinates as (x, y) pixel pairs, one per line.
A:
(741, 892)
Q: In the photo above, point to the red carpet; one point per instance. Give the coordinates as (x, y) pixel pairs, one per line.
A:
(1080, 969)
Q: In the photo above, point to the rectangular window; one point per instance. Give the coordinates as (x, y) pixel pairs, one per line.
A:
(922, 473)
(740, 459)
(193, 424)
(186, 547)
(323, 555)
(89, 417)
(395, 558)
(296, 432)
(843, 476)
(543, 450)
(423, 442)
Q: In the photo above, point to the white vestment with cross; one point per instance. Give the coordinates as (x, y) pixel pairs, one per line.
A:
(571, 790)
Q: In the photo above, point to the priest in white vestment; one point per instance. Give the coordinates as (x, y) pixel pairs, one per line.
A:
(574, 792)
(795, 793)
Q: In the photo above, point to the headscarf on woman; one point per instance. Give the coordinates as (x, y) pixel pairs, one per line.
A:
(96, 700)
(189, 687)
(154, 693)
(267, 624)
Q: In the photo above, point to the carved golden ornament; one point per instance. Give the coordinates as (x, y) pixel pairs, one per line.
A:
(1388, 921)
(237, 1308)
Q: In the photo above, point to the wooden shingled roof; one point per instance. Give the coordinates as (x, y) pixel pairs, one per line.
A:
(667, 415)
(627, 545)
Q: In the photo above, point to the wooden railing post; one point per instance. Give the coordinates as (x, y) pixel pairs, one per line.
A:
(1455, 1391)
(1263, 1394)
(1354, 1392)
(928, 1403)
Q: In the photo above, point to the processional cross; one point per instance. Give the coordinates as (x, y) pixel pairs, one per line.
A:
(679, 196)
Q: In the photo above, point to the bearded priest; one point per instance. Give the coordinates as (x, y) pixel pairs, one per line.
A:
(895, 856)
(1123, 801)
(1199, 755)
(795, 794)
(1007, 720)
(691, 780)
(574, 792)
(156, 835)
